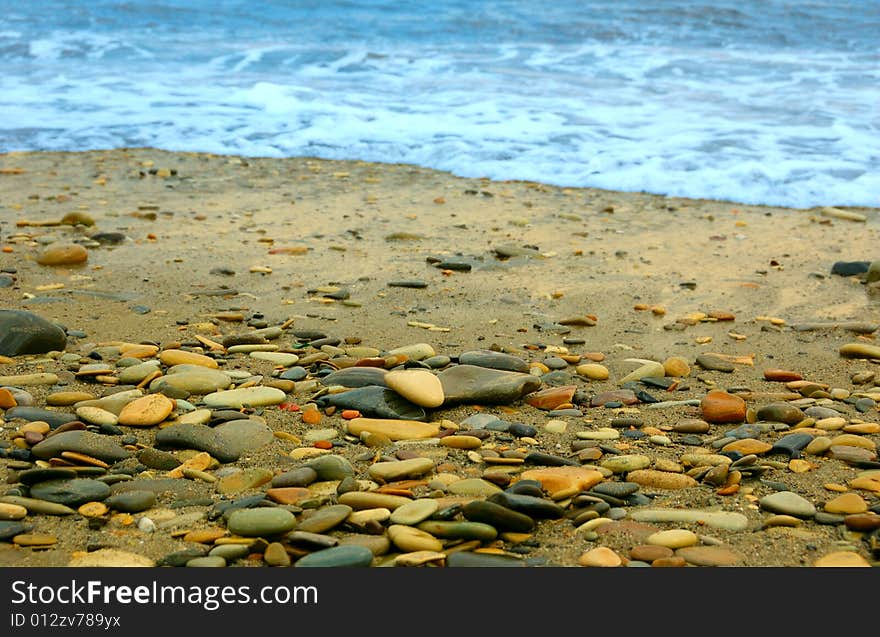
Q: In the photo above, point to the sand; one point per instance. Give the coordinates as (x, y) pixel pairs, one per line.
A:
(209, 237)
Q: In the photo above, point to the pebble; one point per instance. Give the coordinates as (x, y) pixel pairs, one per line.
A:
(146, 411)
(788, 503)
(351, 555)
(415, 351)
(497, 516)
(563, 479)
(593, 371)
(359, 500)
(409, 539)
(256, 396)
(475, 487)
(70, 493)
(192, 379)
(859, 350)
(780, 412)
(471, 384)
(673, 538)
(330, 467)
(193, 436)
(62, 253)
(420, 387)
(261, 522)
(133, 501)
(494, 360)
(846, 503)
(172, 357)
(532, 506)
(400, 469)
(239, 437)
(244, 480)
(710, 556)
(325, 518)
(600, 556)
(37, 506)
(719, 407)
(714, 363)
(626, 463)
(676, 367)
(412, 513)
(84, 442)
(393, 429)
(841, 559)
(12, 511)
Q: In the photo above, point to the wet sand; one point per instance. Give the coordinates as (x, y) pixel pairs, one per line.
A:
(215, 244)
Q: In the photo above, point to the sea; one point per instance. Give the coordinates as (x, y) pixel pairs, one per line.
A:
(771, 102)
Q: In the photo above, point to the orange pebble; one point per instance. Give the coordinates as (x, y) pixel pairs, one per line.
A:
(323, 444)
(311, 416)
(350, 414)
(7, 249)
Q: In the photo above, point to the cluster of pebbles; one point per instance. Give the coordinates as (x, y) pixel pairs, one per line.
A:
(283, 446)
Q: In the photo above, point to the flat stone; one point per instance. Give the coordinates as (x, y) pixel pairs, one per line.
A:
(780, 412)
(622, 396)
(691, 426)
(133, 501)
(414, 512)
(81, 441)
(23, 332)
(244, 480)
(376, 402)
(420, 387)
(714, 363)
(255, 396)
(497, 516)
(859, 350)
(661, 479)
(343, 556)
(192, 379)
(748, 446)
(330, 467)
(359, 500)
(398, 470)
(465, 559)
(626, 462)
(494, 360)
(409, 539)
(415, 351)
(146, 411)
(593, 371)
(457, 530)
(563, 479)
(96, 415)
(846, 503)
(788, 503)
(299, 477)
(325, 518)
(34, 414)
(9, 529)
(198, 437)
(647, 369)
(532, 506)
(673, 538)
(36, 506)
(70, 493)
(551, 398)
(284, 359)
(841, 559)
(471, 384)
(354, 377)
(476, 487)
(261, 522)
(239, 437)
(172, 357)
(727, 520)
(393, 429)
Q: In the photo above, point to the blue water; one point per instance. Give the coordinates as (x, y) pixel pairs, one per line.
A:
(756, 101)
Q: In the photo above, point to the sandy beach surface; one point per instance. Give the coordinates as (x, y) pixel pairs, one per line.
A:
(352, 260)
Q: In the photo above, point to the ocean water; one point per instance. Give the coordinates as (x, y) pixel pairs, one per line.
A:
(756, 101)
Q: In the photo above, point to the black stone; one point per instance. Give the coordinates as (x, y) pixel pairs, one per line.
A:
(376, 402)
(850, 268)
(71, 493)
(9, 529)
(180, 558)
(415, 284)
(532, 506)
(792, 444)
(294, 373)
(494, 360)
(549, 460)
(33, 414)
(498, 516)
(33, 476)
(23, 332)
(522, 430)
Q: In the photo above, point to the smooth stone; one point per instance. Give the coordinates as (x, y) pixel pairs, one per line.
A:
(747, 446)
(616, 489)
(456, 530)
(420, 387)
(207, 561)
(719, 407)
(851, 454)
(375, 402)
(244, 480)
(691, 426)
(9, 529)
(552, 397)
(261, 522)
(131, 501)
(415, 351)
(192, 379)
(710, 556)
(414, 512)
(276, 555)
(325, 518)
(727, 520)
(70, 493)
(622, 396)
(354, 377)
(461, 442)
(299, 477)
(256, 396)
(410, 539)
(11, 512)
(565, 478)
(62, 253)
(646, 369)
(230, 552)
(397, 470)
(138, 372)
(864, 522)
(156, 459)
(853, 440)
(601, 556)
(859, 350)
(393, 429)
(239, 437)
(532, 506)
(81, 441)
(96, 416)
(676, 367)
(549, 460)
(792, 444)
(498, 516)
(36, 506)
(198, 437)
(172, 357)
(330, 467)
(359, 500)
(476, 487)
(146, 411)
(661, 479)
(284, 359)
(714, 363)
(34, 414)
(846, 503)
(343, 556)
(109, 557)
(626, 462)
(780, 412)
(494, 360)
(788, 503)
(23, 332)
(593, 371)
(673, 538)
(481, 385)
(113, 403)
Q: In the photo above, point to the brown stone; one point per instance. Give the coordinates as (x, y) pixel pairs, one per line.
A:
(674, 561)
(552, 397)
(840, 559)
(748, 446)
(173, 357)
(721, 407)
(562, 479)
(288, 495)
(146, 411)
(781, 375)
(649, 552)
(601, 556)
(710, 556)
(846, 503)
(867, 521)
(661, 479)
(59, 253)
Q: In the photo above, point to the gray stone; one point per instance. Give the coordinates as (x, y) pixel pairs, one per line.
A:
(81, 441)
(33, 414)
(261, 522)
(788, 503)
(375, 402)
(199, 437)
(356, 377)
(498, 516)
(350, 555)
(71, 493)
(494, 360)
(133, 501)
(331, 467)
(241, 436)
(481, 385)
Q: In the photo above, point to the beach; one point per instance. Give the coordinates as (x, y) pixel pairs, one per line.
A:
(340, 263)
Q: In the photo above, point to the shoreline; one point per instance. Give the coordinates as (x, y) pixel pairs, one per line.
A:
(206, 246)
